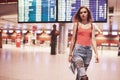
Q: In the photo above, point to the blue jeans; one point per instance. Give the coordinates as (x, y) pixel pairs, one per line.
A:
(81, 59)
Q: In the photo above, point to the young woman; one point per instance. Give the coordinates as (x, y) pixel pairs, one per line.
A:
(83, 38)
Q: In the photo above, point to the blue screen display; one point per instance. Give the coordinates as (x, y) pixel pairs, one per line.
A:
(59, 10)
(37, 10)
(67, 9)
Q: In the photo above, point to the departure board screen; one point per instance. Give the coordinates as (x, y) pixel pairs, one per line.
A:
(67, 8)
(59, 10)
(36, 10)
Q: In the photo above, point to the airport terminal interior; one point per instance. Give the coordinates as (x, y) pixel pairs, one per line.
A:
(32, 59)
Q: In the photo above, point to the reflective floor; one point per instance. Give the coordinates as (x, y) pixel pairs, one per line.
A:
(36, 63)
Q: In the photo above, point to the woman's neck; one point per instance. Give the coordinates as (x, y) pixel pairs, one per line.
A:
(85, 22)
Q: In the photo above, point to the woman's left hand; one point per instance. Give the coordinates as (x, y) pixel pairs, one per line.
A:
(96, 59)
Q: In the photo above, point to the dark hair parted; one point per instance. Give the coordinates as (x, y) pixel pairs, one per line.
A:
(77, 17)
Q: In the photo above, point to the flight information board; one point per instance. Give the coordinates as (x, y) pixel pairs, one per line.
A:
(59, 10)
(36, 10)
(67, 9)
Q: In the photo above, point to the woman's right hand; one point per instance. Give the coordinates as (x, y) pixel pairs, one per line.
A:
(70, 58)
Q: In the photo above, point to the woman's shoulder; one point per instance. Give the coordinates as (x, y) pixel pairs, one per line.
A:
(96, 27)
(77, 23)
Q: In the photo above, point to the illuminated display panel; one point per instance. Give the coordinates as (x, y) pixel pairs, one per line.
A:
(67, 8)
(59, 10)
(114, 33)
(105, 33)
(36, 10)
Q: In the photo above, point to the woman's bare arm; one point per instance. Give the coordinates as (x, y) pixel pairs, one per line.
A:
(72, 42)
(73, 38)
(94, 45)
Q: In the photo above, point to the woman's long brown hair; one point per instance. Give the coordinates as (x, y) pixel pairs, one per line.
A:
(77, 18)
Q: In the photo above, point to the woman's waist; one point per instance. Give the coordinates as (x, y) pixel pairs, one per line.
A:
(84, 43)
(83, 46)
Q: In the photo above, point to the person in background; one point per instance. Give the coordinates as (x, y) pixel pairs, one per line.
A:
(119, 47)
(54, 33)
(82, 40)
(24, 40)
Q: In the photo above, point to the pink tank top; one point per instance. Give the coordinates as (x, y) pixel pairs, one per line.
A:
(84, 36)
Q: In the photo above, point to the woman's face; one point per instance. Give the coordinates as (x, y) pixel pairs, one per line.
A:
(83, 14)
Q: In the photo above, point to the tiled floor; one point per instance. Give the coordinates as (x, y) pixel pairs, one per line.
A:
(36, 63)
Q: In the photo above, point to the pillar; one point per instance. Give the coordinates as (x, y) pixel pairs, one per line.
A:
(0, 38)
(63, 38)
